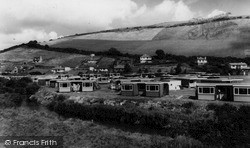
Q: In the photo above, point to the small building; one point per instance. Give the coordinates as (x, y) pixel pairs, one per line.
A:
(238, 66)
(129, 89)
(58, 69)
(157, 89)
(43, 81)
(148, 89)
(38, 59)
(64, 86)
(189, 82)
(145, 59)
(174, 84)
(114, 75)
(77, 85)
(205, 91)
(201, 61)
(223, 92)
(53, 83)
(11, 69)
(103, 80)
(92, 59)
(119, 68)
(242, 93)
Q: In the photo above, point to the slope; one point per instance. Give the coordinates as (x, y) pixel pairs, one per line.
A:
(212, 37)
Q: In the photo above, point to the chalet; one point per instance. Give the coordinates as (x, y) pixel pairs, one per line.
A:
(11, 70)
(77, 86)
(149, 89)
(189, 82)
(58, 69)
(114, 75)
(223, 92)
(102, 68)
(201, 61)
(92, 59)
(157, 89)
(242, 67)
(119, 68)
(37, 59)
(238, 66)
(145, 59)
(103, 80)
(129, 89)
(174, 84)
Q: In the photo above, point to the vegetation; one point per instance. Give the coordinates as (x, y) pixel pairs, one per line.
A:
(212, 126)
(188, 124)
(14, 91)
(215, 64)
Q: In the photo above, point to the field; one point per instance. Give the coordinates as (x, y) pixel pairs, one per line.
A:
(219, 38)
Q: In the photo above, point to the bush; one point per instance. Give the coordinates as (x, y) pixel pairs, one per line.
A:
(12, 100)
(32, 89)
(188, 105)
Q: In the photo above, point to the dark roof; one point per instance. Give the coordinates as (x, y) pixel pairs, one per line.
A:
(119, 66)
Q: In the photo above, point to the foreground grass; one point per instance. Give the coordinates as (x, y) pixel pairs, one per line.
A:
(77, 133)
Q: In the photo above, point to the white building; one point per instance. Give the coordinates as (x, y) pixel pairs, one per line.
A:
(201, 60)
(238, 65)
(174, 84)
(146, 59)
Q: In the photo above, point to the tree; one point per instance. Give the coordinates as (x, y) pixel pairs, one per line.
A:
(127, 68)
(114, 52)
(160, 54)
(140, 71)
(178, 69)
(185, 71)
(146, 70)
(172, 70)
(159, 70)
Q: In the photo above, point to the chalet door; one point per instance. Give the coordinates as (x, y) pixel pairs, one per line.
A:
(224, 93)
(142, 89)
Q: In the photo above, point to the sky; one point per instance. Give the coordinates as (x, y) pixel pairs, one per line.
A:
(41, 20)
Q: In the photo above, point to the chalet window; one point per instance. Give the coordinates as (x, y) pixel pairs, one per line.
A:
(152, 88)
(200, 90)
(236, 91)
(243, 91)
(211, 90)
(206, 90)
(64, 85)
(127, 87)
(87, 84)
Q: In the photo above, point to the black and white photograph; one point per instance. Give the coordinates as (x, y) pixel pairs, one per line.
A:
(124, 73)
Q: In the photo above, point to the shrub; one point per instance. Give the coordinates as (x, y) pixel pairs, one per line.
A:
(32, 89)
(188, 105)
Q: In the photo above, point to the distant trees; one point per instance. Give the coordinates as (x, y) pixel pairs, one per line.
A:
(159, 70)
(127, 68)
(14, 91)
(114, 52)
(160, 54)
(178, 69)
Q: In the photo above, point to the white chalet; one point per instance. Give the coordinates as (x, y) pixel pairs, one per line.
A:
(238, 65)
(146, 59)
(201, 60)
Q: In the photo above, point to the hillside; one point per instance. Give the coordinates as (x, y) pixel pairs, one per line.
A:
(222, 37)
(50, 58)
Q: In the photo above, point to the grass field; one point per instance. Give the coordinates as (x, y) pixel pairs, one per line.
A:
(221, 38)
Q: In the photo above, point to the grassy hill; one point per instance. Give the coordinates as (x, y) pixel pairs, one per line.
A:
(50, 58)
(221, 37)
